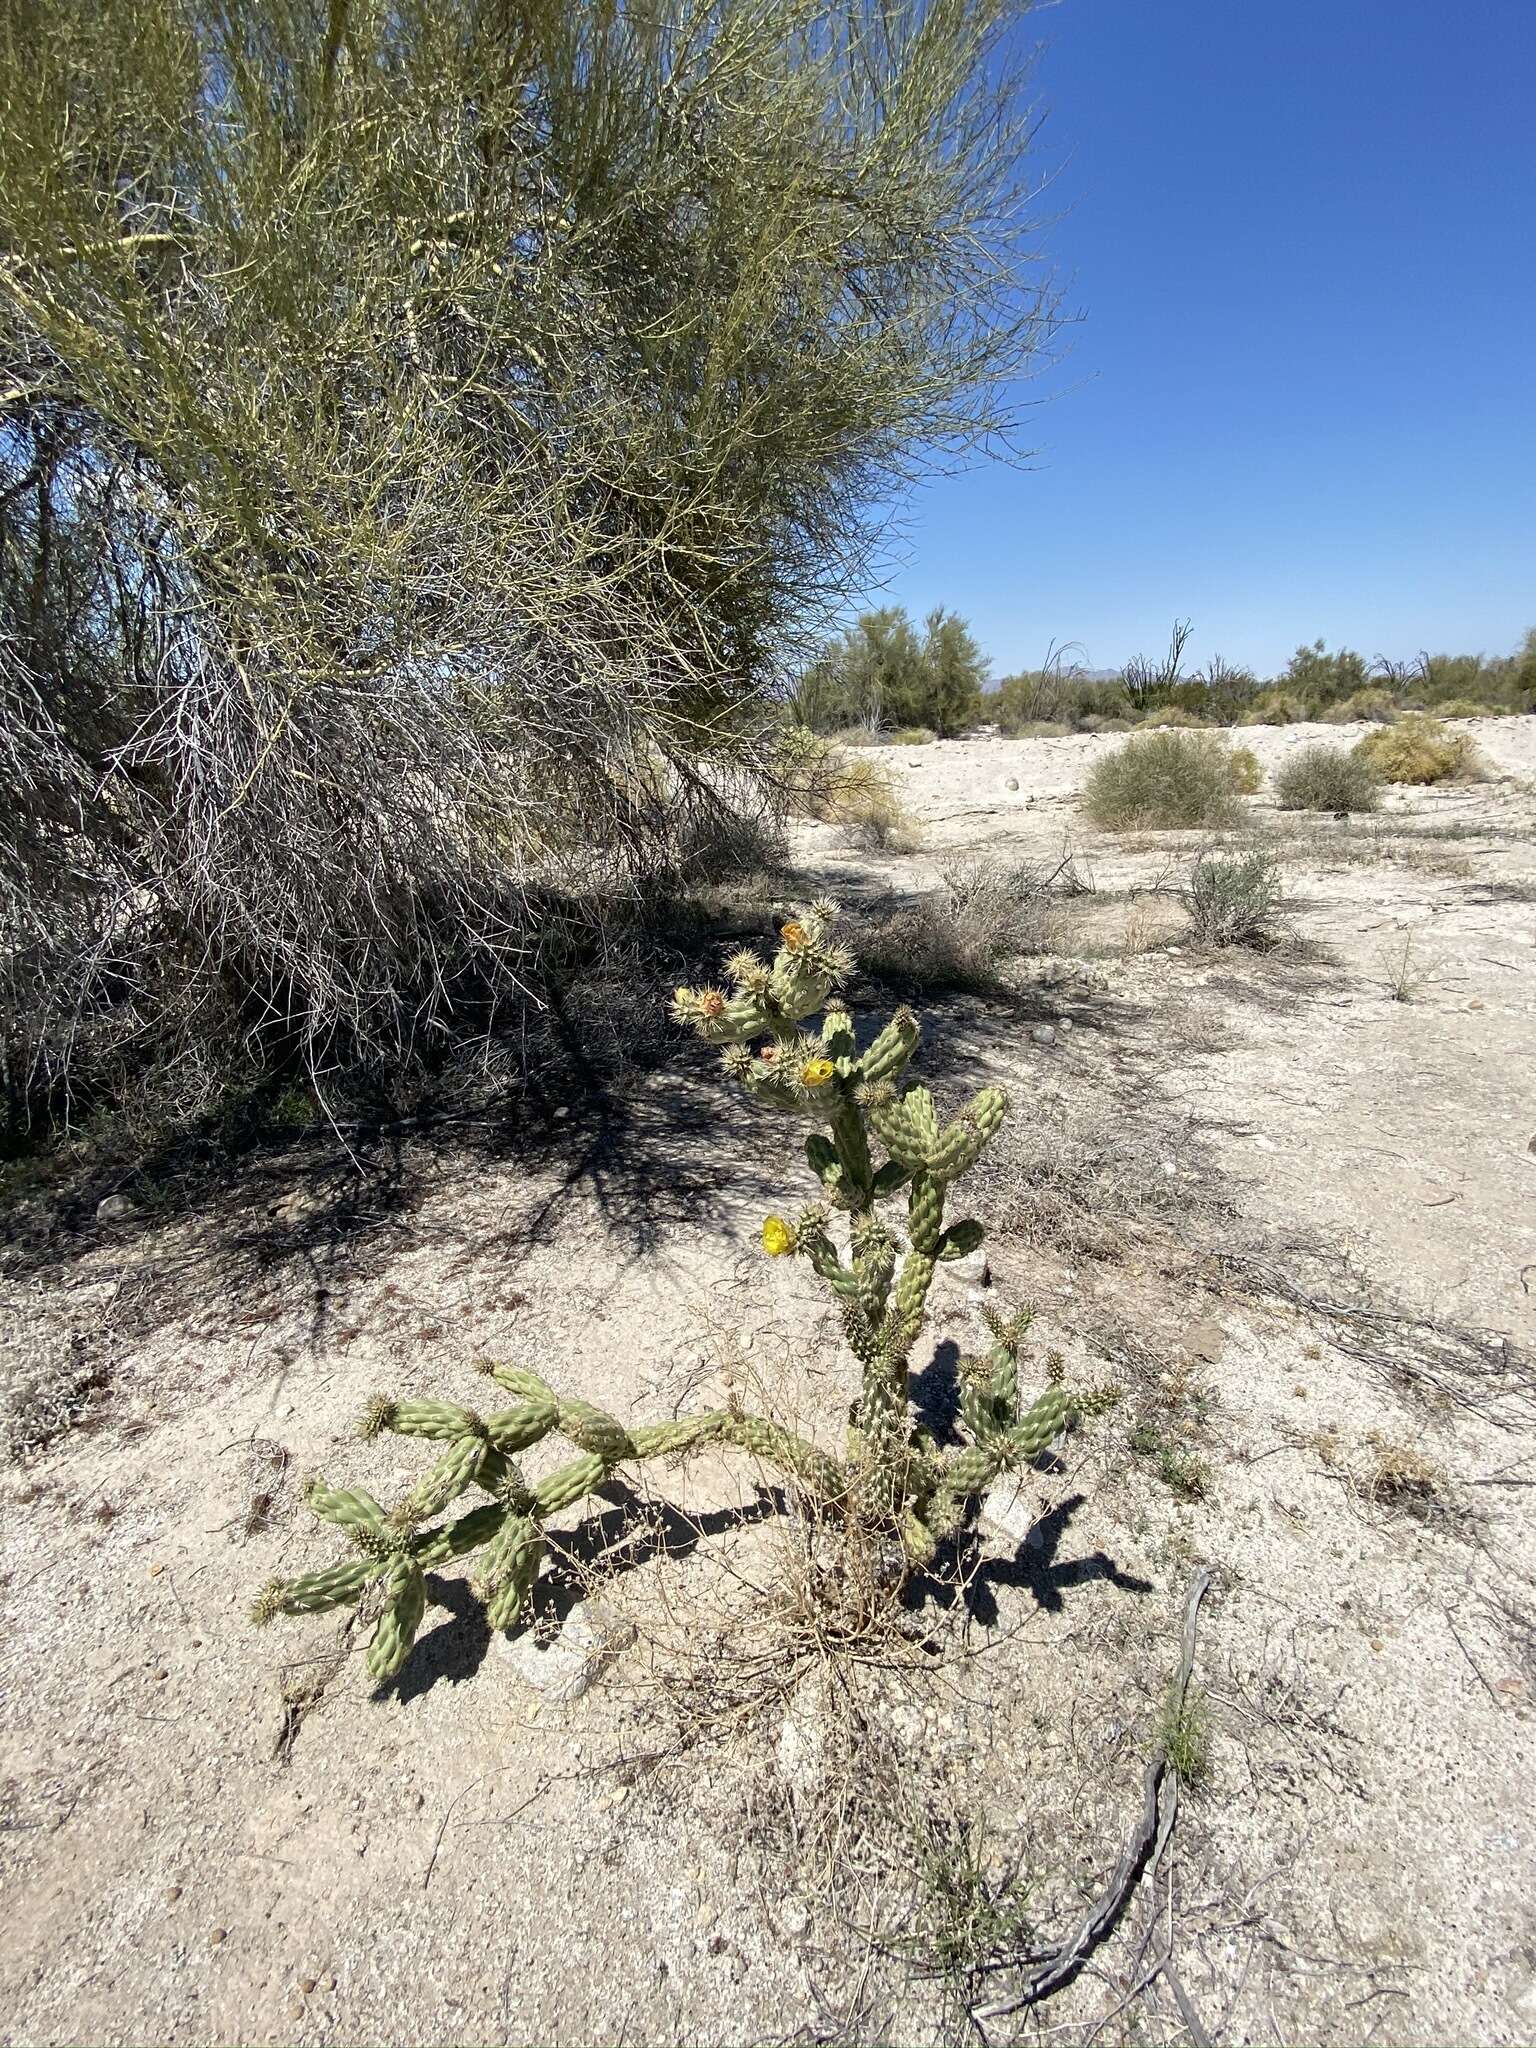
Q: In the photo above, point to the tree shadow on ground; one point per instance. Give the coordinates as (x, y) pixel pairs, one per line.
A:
(644, 1134)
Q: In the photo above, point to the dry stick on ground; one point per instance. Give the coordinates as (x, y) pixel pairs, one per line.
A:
(1160, 1805)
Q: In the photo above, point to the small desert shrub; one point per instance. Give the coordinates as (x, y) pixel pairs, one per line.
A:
(1247, 776)
(1040, 729)
(1186, 1736)
(1464, 707)
(820, 781)
(1324, 778)
(1275, 707)
(984, 913)
(913, 736)
(719, 845)
(1231, 898)
(1419, 750)
(877, 820)
(1376, 705)
(1094, 723)
(1162, 781)
(1402, 970)
(1175, 715)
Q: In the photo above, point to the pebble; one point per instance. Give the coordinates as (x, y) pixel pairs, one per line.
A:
(794, 1920)
(173, 1893)
(1012, 782)
(306, 1985)
(1043, 1034)
(114, 1209)
(218, 1935)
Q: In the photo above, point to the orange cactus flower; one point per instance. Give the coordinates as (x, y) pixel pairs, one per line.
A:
(794, 935)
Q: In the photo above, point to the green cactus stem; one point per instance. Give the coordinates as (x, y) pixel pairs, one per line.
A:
(879, 1271)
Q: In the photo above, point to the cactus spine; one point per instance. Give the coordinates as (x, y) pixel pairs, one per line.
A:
(891, 1475)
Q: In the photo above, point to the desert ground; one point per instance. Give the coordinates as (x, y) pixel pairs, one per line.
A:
(1282, 1198)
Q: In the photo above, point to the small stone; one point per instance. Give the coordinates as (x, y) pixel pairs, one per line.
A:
(1064, 1024)
(592, 1635)
(172, 1894)
(1012, 782)
(155, 1570)
(306, 1985)
(1007, 1511)
(219, 1934)
(330, 1981)
(794, 1920)
(296, 2010)
(1043, 1034)
(1205, 1340)
(1264, 1144)
(114, 1209)
(161, 1676)
(971, 1269)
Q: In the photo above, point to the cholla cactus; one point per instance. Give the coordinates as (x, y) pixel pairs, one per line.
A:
(892, 1475)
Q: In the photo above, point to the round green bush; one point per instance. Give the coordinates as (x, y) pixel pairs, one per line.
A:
(1165, 780)
(1324, 778)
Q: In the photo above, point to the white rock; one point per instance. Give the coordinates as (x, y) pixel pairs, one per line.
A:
(972, 1269)
(794, 1920)
(590, 1638)
(1008, 1511)
(1043, 1034)
(115, 1209)
(804, 1746)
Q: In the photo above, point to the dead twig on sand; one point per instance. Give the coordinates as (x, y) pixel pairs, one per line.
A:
(1160, 1805)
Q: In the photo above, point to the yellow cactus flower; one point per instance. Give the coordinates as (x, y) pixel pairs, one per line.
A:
(778, 1238)
(682, 997)
(817, 1073)
(794, 935)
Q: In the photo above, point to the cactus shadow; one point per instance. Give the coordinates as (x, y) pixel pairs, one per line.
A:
(633, 1529)
(935, 1393)
(974, 1579)
(451, 1651)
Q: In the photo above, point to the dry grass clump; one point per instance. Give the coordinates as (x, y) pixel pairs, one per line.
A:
(1420, 750)
(1403, 970)
(1174, 715)
(1275, 707)
(1163, 781)
(1324, 778)
(820, 781)
(984, 913)
(1465, 707)
(1399, 1476)
(1231, 899)
(1093, 1179)
(1246, 774)
(913, 736)
(1376, 705)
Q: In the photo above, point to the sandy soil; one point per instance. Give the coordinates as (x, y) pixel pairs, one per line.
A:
(1289, 1213)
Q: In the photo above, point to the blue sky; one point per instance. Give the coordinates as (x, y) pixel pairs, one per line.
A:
(1302, 396)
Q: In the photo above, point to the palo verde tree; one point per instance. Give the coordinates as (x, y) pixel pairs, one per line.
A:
(424, 430)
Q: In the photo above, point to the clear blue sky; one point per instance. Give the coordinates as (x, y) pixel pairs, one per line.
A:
(1302, 396)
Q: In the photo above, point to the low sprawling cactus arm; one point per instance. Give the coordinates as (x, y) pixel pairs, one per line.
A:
(395, 1550)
